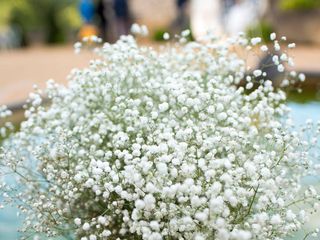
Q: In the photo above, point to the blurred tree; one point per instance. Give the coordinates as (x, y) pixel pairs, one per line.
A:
(45, 17)
(299, 4)
(22, 18)
(5, 9)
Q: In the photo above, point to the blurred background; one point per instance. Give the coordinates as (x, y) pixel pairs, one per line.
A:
(36, 39)
(32, 22)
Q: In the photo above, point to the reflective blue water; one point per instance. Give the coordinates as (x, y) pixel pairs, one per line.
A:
(9, 222)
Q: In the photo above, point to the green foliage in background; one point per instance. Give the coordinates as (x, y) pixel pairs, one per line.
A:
(299, 4)
(158, 35)
(5, 10)
(263, 29)
(54, 19)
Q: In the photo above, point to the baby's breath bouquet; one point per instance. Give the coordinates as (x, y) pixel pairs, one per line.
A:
(184, 142)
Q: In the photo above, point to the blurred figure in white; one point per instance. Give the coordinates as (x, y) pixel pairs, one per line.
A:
(243, 14)
(205, 16)
(224, 16)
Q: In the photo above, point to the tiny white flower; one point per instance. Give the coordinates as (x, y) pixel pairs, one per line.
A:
(86, 226)
(257, 72)
(275, 219)
(264, 48)
(106, 233)
(255, 41)
(302, 77)
(291, 45)
(135, 28)
(77, 221)
(249, 85)
(163, 107)
(280, 68)
(144, 30)
(102, 220)
(92, 237)
(166, 36)
(222, 116)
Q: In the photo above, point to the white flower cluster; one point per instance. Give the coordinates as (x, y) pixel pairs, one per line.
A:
(163, 145)
(6, 127)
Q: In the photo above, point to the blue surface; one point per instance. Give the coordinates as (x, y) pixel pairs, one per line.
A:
(9, 223)
(303, 111)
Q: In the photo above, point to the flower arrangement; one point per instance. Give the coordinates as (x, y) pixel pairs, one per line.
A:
(180, 143)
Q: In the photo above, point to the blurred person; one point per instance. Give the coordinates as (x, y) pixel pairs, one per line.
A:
(102, 20)
(226, 7)
(182, 21)
(122, 17)
(205, 16)
(87, 11)
(243, 14)
(107, 20)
